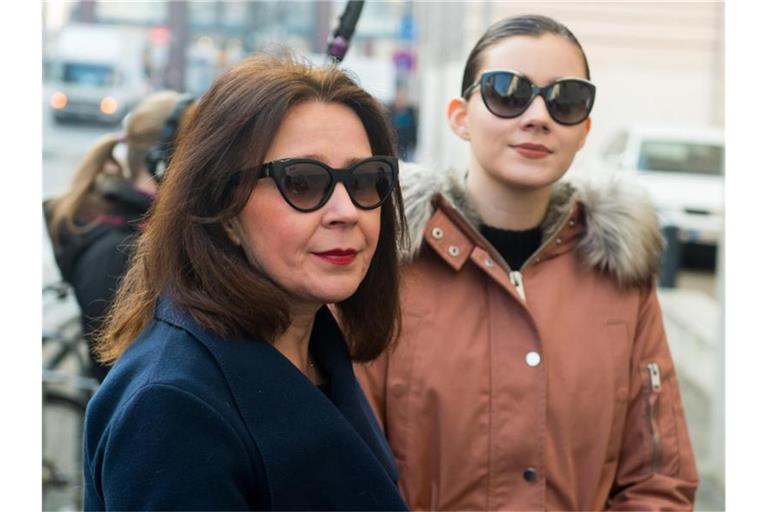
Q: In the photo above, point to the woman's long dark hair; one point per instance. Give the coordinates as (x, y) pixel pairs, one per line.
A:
(185, 251)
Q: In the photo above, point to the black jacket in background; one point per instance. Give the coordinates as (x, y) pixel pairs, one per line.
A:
(94, 262)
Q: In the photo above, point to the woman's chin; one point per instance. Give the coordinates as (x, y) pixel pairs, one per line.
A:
(339, 296)
(330, 294)
(528, 177)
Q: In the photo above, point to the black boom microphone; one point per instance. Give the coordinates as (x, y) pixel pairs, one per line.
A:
(338, 44)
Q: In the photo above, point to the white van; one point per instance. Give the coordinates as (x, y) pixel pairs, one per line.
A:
(98, 72)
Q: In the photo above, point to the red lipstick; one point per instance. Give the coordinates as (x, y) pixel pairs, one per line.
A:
(337, 256)
(534, 151)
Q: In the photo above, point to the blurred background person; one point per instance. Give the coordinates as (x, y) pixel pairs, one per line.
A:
(233, 387)
(403, 118)
(533, 371)
(93, 224)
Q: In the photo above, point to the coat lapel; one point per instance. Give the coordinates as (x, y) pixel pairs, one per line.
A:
(328, 346)
(293, 422)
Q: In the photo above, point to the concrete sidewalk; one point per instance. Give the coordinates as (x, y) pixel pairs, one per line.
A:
(693, 323)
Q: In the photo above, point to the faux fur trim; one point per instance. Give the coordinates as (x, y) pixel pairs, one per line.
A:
(622, 234)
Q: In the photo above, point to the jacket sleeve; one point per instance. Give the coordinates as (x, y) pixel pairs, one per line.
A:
(97, 276)
(656, 469)
(169, 450)
(373, 380)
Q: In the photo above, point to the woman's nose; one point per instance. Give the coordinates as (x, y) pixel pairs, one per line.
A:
(536, 115)
(340, 209)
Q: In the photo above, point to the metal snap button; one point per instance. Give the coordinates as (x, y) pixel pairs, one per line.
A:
(488, 262)
(558, 241)
(530, 475)
(453, 250)
(437, 233)
(532, 359)
(571, 223)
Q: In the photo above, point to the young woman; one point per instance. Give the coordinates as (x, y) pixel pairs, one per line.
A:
(532, 372)
(233, 387)
(93, 225)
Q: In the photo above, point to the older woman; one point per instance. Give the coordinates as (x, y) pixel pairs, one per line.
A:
(233, 386)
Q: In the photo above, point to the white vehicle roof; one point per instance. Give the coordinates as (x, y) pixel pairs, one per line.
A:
(693, 133)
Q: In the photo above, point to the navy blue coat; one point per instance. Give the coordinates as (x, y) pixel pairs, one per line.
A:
(188, 420)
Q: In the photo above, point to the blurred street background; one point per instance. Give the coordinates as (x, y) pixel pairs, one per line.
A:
(658, 119)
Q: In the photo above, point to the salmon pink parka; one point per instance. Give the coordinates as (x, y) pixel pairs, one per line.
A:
(548, 388)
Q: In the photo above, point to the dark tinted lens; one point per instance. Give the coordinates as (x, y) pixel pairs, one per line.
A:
(506, 94)
(304, 184)
(569, 101)
(370, 183)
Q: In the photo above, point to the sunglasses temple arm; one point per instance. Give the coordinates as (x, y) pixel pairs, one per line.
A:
(263, 171)
(469, 90)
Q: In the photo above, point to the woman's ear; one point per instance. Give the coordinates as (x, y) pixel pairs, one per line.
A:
(232, 228)
(235, 232)
(587, 127)
(457, 117)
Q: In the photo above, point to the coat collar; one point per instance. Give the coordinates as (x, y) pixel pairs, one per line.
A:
(618, 230)
(262, 379)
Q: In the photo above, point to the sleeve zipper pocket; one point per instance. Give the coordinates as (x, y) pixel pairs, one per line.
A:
(654, 390)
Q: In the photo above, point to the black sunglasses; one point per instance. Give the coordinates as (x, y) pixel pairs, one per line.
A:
(508, 94)
(307, 184)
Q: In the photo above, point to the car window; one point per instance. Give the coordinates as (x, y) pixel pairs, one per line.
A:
(682, 157)
(88, 74)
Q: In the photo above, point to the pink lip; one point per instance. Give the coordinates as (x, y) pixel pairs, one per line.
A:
(534, 151)
(338, 256)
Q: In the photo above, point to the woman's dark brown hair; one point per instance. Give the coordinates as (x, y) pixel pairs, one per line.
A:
(185, 252)
(530, 25)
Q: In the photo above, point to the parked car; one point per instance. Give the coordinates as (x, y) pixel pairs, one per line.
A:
(682, 169)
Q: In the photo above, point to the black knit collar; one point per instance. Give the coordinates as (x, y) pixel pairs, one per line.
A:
(514, 246)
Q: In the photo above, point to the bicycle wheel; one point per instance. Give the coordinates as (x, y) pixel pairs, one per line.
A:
(63, 418)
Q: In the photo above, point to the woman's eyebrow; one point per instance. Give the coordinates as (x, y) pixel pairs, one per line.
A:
(347, 163)
(353, 161)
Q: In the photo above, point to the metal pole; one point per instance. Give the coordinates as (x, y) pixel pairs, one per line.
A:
(177, 23)
(322, 26)
(440, 51)
(86, 11)
(670, 262)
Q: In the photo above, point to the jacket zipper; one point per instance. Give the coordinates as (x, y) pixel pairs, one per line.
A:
(546, 242)
(517, 279)
(652, 406)
(516, 276)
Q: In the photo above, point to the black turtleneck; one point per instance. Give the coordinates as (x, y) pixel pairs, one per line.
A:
(514, 246)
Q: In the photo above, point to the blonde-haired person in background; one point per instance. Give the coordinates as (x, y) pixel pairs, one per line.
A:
(93, 224)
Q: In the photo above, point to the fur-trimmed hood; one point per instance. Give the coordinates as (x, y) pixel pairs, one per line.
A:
(622, 234)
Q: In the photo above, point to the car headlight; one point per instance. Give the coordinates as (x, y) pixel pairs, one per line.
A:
(108, 105)
(58, 100)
